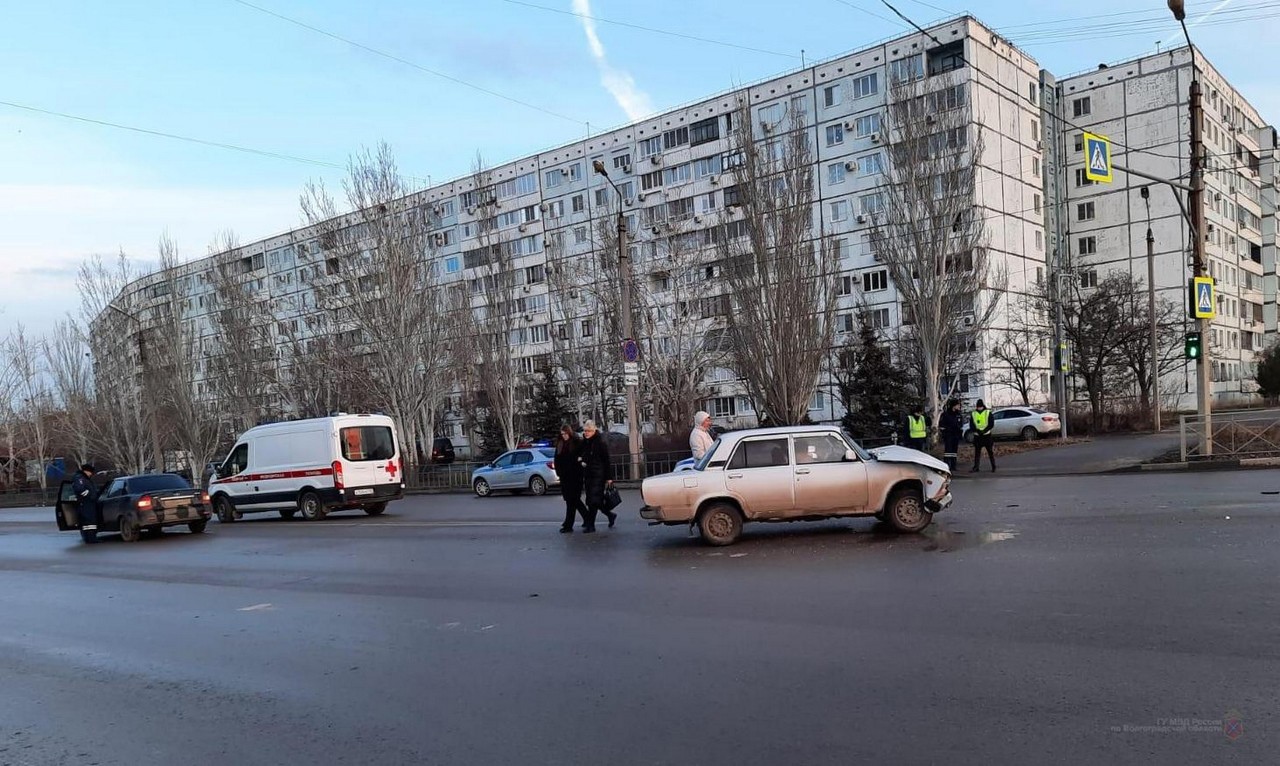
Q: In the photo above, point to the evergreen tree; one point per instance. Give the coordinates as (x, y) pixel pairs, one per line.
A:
(875, 393)
(492, 440)
(1268, 374)
(547, 410)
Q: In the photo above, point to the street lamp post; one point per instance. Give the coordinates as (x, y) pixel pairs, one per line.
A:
(1195, 201)
(1151, 311)
(624, 266)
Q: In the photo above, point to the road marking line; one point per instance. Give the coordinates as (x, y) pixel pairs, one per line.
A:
(255, 608)
(427, 524)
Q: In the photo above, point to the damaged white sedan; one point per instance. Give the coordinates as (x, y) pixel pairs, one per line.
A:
(800, 473)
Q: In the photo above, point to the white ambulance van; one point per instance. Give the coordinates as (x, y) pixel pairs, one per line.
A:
(316, 466)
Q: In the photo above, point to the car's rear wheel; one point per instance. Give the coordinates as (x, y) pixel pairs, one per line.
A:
(288, 513)
(224, 509)
(198, 527)
(311, 506)
(482, 488)
(720, 524)
(130, 532)
(906, 511)
(89, 535)
(538, 486)
(375, 509)
(1030, 434)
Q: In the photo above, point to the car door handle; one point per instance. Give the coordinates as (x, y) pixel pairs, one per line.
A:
(802, 470)
(735, 476)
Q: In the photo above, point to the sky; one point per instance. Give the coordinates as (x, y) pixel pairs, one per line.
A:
(437, 80)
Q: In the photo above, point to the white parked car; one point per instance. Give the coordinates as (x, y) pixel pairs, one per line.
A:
(798, 473)
(1026, 423)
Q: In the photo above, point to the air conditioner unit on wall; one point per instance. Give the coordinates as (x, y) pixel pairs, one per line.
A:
(715, 180)
(628, 202)
(875, 138)
(851, 165)
(656, 159)
(967, 320)
(626, 168)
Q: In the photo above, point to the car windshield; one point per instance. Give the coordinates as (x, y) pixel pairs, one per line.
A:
(856, 447)
(157, 482)
(702, 464)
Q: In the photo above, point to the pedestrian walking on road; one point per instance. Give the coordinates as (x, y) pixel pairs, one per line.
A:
(568, 447)
(917, 429)
(981, 424)
(597, 475)
(86, 502)
(700, 440)
(952, 432)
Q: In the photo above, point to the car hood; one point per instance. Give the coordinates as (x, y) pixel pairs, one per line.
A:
(897, 454)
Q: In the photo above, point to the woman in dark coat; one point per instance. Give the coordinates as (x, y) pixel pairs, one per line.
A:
(597, 474)
(570, 472)
(952, 430)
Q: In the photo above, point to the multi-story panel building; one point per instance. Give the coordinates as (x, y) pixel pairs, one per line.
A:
(1143, 107)
(675, 175)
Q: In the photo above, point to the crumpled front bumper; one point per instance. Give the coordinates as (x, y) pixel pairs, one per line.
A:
(939, 503)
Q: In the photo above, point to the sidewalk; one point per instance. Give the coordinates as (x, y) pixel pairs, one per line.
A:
(1101, 454)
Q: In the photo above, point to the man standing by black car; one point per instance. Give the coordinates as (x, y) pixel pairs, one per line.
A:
(87, 502)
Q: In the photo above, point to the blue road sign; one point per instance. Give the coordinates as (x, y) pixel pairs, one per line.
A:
(630, 350)
(1097, 154)
(1203, 305)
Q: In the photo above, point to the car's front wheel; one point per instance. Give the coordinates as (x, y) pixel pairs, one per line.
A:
(197, 527)
(224, 509)
(906, 511)
(720, 524)
(482, 488)
(1030, 434)
(538, 485)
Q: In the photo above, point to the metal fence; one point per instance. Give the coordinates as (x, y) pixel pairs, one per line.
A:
(1234, 435)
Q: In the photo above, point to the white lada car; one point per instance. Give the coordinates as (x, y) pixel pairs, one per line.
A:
(800, 473)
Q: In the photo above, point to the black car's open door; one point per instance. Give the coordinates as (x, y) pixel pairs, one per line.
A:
(65, 509)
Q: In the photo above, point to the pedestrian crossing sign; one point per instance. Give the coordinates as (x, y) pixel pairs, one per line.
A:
(1097, 155)
(1203, 303)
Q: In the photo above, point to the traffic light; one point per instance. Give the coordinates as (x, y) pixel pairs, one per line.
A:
(1060, 358)
(1193, 345)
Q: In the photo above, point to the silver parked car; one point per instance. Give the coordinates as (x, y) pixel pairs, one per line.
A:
(520, 470)
(798, 473)
(1026, 423)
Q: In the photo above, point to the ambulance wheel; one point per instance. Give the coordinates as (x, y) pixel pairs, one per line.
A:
(311, 506)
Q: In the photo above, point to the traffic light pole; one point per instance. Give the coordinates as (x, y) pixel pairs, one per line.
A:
(1195, 201)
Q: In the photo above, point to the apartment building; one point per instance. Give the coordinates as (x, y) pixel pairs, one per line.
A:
(1143, 107)
(675, 174)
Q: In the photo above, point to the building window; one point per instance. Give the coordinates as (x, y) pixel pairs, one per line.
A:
(587, 329)
(552, 178)
(678, 174)
(722, 407)
(835, 173)
(844, 323)
(1039, 240)
(866, 85)
(654, 180)
(580, 235)
(875, 280)
(870, 165)
(1087, 246)
(819, 402)
(844, 286)
(866, 125)
(1082, 107)
(707, 166)
(622, 162)
(704, 131)
(1036, 203)
(1079, 142)
(452, 265)
(579, 204)
(907, 69)
(1085, 211)
(878, 318)
(831, 96)
(1035, 167)
(1089, 278)
(835, 134)
(840, 210)
(870, 204)
(650, 146)
(1082, 179)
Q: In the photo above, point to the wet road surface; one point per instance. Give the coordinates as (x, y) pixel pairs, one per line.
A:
(1119, 619)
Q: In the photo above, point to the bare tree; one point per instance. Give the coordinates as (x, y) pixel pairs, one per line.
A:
(388, 289)
(9, 422)
(1137, 349)
(70, 370)
(191, 419)
(27, 357)
(926, 228)
(243, 373)
(779, 273)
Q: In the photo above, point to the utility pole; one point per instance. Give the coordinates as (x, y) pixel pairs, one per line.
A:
(624, 265)
(1195, 201)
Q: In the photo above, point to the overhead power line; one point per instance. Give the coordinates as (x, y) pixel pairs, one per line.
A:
(407, 62)
(174, 136)
(654, 30)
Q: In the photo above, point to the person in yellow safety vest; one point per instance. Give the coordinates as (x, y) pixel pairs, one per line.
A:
(981, 422)
(917, 429)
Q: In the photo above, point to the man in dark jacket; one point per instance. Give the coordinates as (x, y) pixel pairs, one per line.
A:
(981, 422)
(597, 474)
(952, 431)
(86, 493)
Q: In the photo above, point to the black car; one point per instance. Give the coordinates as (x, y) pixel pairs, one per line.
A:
(130, 504)
(442, 450)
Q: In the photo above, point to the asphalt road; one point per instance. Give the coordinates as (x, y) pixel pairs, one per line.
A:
(1115, 619)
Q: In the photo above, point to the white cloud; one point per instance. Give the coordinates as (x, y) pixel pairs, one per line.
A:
(620, 84)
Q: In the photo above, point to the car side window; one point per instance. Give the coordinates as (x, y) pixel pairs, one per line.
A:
(504, 461)
(115, 488)
(522, 458)
(811, 450)
(1013, 414)
(238, 460)
(761, 453)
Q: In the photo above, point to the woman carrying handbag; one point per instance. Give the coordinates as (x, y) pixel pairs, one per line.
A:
(597, 475)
